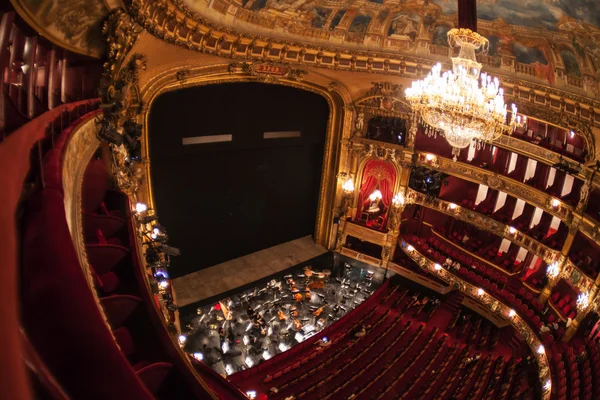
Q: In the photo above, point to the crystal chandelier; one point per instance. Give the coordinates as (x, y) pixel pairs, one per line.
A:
(463, 104)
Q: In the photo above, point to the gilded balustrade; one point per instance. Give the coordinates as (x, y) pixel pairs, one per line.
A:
(484, 222)
(498, 182)
(497, 307)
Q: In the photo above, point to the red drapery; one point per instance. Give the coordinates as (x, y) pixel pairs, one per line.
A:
(377, 175)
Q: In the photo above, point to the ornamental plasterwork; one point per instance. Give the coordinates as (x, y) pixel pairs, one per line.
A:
(484, 222)
(498, 182)
(186, 29)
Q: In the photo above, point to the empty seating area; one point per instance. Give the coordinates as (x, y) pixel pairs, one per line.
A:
(507, 289)
(416, 345)
(97, 335)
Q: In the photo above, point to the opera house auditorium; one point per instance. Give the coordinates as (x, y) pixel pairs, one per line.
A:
(300, 199)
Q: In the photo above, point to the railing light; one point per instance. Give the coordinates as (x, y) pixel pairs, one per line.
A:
(512, 230)
(410, 248)
(437, 267)
(541, 349)
(429, 157)
(511, 313)
(452, 206)
(480, 292)
(555, 203)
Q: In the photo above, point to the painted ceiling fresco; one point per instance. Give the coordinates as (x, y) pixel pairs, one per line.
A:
(549, 40)
(73, 24)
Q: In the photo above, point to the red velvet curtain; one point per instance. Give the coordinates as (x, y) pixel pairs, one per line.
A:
(377, 175)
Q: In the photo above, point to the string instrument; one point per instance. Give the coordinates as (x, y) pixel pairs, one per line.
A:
(281, 315)
(297, 324)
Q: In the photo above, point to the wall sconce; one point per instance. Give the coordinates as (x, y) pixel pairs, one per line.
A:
(552, 270)
(141, 208)
(583, 301)
(398, 200)
(348, 186)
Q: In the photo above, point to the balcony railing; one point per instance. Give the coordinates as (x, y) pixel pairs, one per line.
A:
(484, 222)
(498, 182)
(495, 306)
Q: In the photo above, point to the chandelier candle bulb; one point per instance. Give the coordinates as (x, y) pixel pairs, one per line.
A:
(463, 104)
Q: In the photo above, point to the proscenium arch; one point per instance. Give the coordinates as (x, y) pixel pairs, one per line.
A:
(338, 127)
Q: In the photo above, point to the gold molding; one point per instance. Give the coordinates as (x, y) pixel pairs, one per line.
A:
(32, 22)
(495, 306)
(338, 125)
(185, 28)
(498, 182)
(486, 223)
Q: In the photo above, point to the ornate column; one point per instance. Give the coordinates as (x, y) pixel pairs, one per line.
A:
(553, 272)
(583, 308)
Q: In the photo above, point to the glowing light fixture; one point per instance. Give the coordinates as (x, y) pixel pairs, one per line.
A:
(182, 339)
(348, 186)
(552, 270)
(198, 356)
(163, 284)
(410, 248)
(463, 104)
(398, 200)
(140, 208)
(512, 230)
(437, 267)
(583, 301)
(511, 313)
(480, 292)
(541, 349)
(429, 157)
(452, 206)
(251, 394)
(376, 195)
(555, 203)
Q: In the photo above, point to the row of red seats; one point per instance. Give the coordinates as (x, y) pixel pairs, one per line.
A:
(564, 304)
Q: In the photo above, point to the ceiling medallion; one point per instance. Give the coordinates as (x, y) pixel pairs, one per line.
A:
(463, 105)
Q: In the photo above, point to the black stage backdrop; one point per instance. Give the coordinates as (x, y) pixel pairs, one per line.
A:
(220, 201)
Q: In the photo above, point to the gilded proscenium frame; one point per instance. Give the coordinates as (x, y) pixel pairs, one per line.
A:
(338, 126)
(184, 28)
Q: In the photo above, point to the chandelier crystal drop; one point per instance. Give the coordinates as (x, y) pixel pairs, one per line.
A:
(464, 104)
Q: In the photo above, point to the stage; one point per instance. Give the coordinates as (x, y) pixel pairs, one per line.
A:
(230, 275)
(244, 328)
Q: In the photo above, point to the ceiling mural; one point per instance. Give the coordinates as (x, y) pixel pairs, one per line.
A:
(73, 24)
(550, 41)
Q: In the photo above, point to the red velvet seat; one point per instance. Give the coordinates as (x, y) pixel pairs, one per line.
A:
(118, 308)
(105, 257)
(154, 374)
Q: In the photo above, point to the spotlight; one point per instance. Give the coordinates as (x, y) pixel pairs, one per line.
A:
(170, 251)
(152, 256)
(132, 129)
(134, 148)
(109, 134)
(148, 218)
(163, 284)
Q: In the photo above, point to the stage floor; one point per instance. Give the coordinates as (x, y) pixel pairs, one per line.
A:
(229, 346)
(236, 273)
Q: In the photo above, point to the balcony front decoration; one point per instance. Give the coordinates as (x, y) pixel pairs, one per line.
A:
(462, 105)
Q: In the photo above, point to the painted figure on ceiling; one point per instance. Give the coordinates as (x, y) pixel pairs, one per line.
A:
(404, 25)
